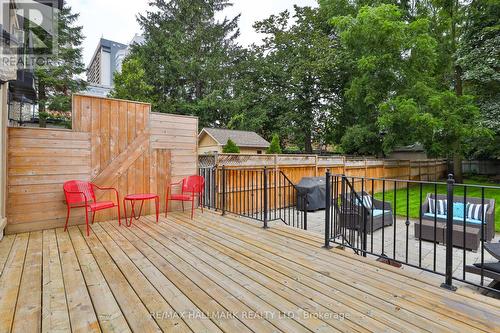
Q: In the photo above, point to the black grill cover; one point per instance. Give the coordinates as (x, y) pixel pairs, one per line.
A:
(314, 189)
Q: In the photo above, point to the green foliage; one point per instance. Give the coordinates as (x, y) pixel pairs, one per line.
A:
(389, 58)
(43, 115)
(445, 123)
(187, 62)
(479, 58)
(359, 139)
(274, 147)
(58, 78)
(362, 75)
(131, 83)
(231, 148)
(297, 84)
(402, 65)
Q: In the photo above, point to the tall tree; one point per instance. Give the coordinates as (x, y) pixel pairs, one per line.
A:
(299, 74)
(58, 77)
(387, 58)
(251, 104)
(479, 57)
(188, 59)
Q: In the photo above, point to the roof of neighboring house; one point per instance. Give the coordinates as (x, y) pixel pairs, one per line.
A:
(416, 147)
(241, 138)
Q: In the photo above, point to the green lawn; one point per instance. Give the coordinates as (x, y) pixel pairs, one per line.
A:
(414, 194)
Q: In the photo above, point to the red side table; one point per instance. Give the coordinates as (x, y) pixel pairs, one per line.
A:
(133, 198)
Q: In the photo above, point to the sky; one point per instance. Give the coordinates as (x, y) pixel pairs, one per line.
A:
(115, 19)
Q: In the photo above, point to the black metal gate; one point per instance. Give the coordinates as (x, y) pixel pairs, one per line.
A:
(261, 194)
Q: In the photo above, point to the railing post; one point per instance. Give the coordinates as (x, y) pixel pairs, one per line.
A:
(327, 209)
(449, 236)
(223, 190)
(265, 198)
(305, 211)
(213, 188)
(363, 210)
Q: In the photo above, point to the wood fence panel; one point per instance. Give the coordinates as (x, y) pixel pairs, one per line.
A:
(246, 195)
(179, 135)
(114, 143)
(37, 167)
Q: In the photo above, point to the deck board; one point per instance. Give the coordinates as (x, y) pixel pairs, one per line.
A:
(55, 316)
(216, 274)
(134, 310)
(203, 300)
(5, 246)
(220, 294)
(328, 285)
(11, 280)
(108, 312)
(399, 294)
(28, 315)
(313, 289)
(179, 302)
(81, 311)
(253, 294)
(146, 292)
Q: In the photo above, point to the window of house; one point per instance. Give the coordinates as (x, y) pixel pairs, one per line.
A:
(259, 151)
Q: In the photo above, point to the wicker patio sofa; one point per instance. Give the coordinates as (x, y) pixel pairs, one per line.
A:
(377, 212)
(472, 227)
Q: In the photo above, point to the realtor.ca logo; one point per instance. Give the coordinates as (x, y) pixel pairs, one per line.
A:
(29, 32)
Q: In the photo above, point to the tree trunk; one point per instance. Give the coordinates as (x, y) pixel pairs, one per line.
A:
(458, 81)
(308, 143)
(457, 168)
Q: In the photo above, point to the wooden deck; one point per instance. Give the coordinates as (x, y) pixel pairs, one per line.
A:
(216, 274)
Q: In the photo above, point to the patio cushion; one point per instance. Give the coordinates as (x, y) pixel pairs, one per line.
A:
(101, 205)
(474, 211)
(455, 218)
(440, 205)
(458, 209)
(367, 201)
(491, 266)
(379, 212)
(183, 197)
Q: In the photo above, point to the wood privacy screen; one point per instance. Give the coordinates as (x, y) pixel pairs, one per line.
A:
(113, 143)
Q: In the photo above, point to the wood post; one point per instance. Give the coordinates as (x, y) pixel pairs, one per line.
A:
(315, 165)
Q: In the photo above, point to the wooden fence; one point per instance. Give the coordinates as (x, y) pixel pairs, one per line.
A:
(484, 167)
(113, 143)
(297, 166)
(245, 189)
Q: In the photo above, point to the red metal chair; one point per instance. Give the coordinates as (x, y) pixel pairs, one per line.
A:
(80, 194)
(191, 187)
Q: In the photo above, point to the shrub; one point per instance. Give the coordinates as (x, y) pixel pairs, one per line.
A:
(231, 148)
(274, 148)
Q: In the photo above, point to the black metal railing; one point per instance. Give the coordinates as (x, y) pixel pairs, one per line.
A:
(210, 190)
(261, 194)
(440, 227)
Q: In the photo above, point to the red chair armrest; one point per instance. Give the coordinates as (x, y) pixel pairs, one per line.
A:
(105, 188)
(169, 187)
(109, 189)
